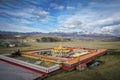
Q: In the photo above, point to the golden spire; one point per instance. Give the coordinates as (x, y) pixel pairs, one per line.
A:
(60, 46)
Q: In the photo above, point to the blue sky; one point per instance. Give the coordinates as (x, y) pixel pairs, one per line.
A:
(85, 16)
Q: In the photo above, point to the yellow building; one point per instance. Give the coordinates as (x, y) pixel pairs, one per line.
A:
(60, 50)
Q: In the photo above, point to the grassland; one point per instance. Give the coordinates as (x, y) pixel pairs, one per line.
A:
(109, 70)
(114, 45)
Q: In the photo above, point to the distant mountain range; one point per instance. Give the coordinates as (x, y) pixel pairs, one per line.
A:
(8, 32)
(78, 35)
(82, 35)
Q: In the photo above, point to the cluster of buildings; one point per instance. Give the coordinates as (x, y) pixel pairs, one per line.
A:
(67, 58)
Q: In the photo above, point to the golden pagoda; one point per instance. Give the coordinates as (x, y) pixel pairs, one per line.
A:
(60, 49)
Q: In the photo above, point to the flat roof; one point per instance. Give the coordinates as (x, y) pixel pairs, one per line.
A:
(75, 60)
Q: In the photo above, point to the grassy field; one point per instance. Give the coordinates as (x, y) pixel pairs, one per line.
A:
(115, 45)
(109, 70)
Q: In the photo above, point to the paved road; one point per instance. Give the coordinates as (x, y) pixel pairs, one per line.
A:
(11, 72)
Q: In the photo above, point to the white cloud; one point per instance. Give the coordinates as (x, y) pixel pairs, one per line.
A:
(56, 6)
(18, 28)
(24, 21)
(58, 30)
(42, 14)
(113, 29)
(70, 8)
(26, 15)
(104, 22)
(90, 23)
(60, 7)
(72, 23)
(16, 14)
(93, 19)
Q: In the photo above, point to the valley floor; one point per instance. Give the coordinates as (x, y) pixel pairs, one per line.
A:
(109, 70)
